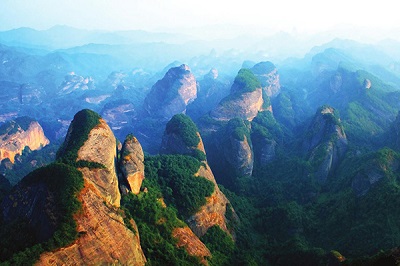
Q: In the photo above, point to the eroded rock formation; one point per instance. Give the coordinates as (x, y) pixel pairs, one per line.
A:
(20, 133)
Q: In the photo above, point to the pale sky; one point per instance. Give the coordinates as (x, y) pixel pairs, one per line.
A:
(304, 15)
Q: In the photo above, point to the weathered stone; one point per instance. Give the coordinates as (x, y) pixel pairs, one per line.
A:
(15, 143)
(171, 95)
(191, 243)
(100, 147)
(132, 163)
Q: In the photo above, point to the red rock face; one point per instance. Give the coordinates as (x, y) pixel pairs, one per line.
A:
(33, 137)
(213, 212)
(104, 239)
(191, 243)
(132, 164)
(246, 106)
(100, 147)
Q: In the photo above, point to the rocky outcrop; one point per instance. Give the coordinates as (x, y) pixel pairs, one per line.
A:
(245, 105)
(182, 131)
(191, 243)
(74, 82)
(100, 147)
(215, 209)
(239, 154)
(325, 143)
(237, 148)
(17, 134)
(131, 165)
(268, 75)
(245, 99)
(171, 94)
(104, 238)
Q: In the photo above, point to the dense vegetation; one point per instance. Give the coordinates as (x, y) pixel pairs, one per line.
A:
(155, 223)
(180, 188)
(18, 245)
(169, 180)
(245, 81)
(184, 127)
(220, 244)
(84, 121)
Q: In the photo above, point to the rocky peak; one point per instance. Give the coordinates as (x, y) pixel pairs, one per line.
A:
(91, 143)
(268, 75)
(90, 146)
(171, 94)
(325, 142)
(17, 134)
(131, 164)
(245, 99)
(238, 148)
(182, 137)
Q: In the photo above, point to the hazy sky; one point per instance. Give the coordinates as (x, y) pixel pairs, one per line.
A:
(309, 15)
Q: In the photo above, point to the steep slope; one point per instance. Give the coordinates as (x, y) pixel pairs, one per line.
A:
(171, 94)
(105, 238)
(268, 76)
(182, 137)
(97, 232)
(20, 133)
(131, 165)
(245, 99)
(325, 142)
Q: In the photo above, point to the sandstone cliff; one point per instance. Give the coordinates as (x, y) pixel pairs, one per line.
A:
(268, 75)
(325, 143)
(182, 137)
(245, 99)
(104, 238)
(17, 134)
(171, 94)
(131, 165)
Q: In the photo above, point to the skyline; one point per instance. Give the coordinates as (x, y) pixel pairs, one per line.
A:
(307, 16)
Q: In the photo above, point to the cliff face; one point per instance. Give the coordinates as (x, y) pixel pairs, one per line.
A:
(213, 212)
(100, 147)
(171, 94)
(20, 133)
(191, 243)
(245, 105)
(131, 164)
(326, 142)
(245, 100)
(104, 238)
(268, 75)
(239, 154)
